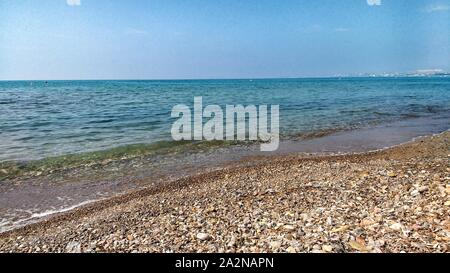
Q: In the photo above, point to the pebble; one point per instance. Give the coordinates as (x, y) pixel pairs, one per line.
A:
(396, 227)
(203, 236)
(73, 247)
(415, 193)
(391, 174)
(232, 242)
(275, 245)
(422, 189)
(327, 248)
(357, 246)
(288, 228)
(291, 250)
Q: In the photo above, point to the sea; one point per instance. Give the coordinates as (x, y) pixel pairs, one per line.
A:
(41, 119)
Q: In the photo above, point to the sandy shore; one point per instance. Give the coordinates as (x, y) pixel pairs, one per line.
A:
(388, 201)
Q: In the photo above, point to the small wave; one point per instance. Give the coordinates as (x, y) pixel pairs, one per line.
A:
(52, 212)
(433, 109)
(410, 115)
(353, 111)
(11, 169)
(101, 121)
(420, 108)
(7, 225)
(25, 138)
(383, 114)
(318, 133)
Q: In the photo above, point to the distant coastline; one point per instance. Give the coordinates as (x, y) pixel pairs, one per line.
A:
(419, 74)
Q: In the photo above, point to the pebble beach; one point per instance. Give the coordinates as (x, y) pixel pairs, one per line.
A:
(394, 200)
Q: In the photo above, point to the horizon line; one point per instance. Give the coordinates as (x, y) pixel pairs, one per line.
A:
(256, 78)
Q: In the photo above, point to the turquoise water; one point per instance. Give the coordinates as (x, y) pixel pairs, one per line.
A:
(43, 119)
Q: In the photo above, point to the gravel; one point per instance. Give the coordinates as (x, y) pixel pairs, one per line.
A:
(396, 200)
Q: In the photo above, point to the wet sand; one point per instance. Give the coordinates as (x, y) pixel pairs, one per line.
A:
(392, 200)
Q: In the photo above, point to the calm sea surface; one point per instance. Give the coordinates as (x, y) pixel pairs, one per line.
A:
(42, 119)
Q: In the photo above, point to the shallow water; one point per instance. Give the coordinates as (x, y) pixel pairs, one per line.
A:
(369, 138)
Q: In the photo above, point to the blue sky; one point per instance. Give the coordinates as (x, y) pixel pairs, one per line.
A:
(178, 39)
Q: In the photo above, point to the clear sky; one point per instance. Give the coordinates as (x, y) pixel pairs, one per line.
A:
(173, 39)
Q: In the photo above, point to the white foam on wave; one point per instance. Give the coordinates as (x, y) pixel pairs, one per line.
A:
(51, 212)
(6, 225)
(4, 222)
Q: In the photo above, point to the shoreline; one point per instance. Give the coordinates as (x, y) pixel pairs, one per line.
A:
(17, 169)
(251, 159)
(70, 182)
(423, 149)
